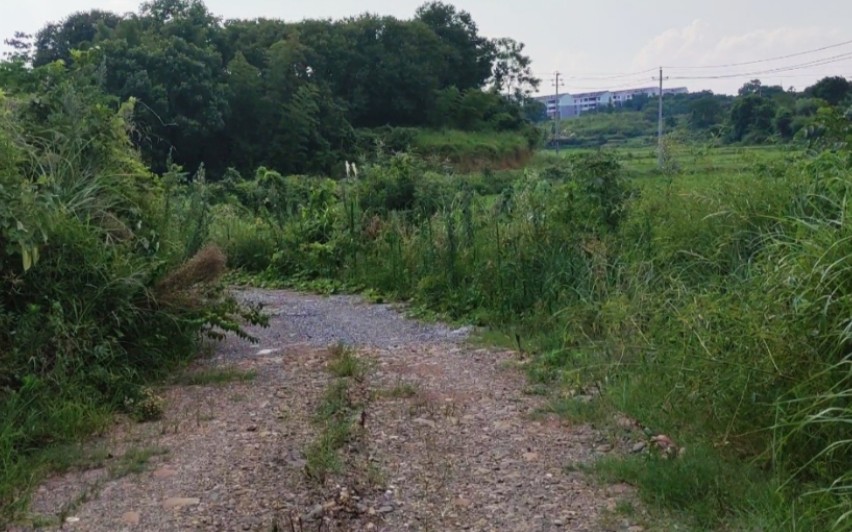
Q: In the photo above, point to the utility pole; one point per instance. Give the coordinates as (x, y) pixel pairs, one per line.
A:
(557, 115)
(660, 123)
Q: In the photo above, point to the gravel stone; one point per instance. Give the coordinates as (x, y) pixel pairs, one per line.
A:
(322, 321)
(459, 451)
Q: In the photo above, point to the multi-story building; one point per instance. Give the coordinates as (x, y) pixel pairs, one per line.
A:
(572, 105)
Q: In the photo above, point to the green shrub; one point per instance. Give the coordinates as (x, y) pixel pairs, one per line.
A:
(109, 283)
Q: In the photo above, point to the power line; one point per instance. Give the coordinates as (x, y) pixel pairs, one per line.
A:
(767, 60)
(638, 83)
(815, 63)
(626, 83)
(630, 80)
(611, 76)
(601, 76)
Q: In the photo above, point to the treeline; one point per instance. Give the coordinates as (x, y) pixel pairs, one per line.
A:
(757, 114)
(296, 97)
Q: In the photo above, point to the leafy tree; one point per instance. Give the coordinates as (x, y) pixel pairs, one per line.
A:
(468, 55)
(705, 112)
(79, 31)
(447, 104)
(784, 123)
(833, 89)
(21, 45)
(512, 74)
(752, 116)
(534, 111)
(750, 87)
(249, 111)
(638, 103)
(287, 95)
(182, 94)
(253, 38)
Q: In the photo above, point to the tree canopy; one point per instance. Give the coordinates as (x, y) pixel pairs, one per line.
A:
(286, 95)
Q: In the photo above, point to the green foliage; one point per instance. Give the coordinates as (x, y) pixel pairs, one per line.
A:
(475, 151)
(751, 118)
(698, 486)
(105, 288)
(475, 110)
(345, 363)
(247, 93)
(215, 376)
(712, 306)
(599, 129)
(146, 406)
(335, 415)
(832, 89)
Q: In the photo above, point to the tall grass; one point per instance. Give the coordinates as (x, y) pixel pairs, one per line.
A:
(104, 289)
(717, 314)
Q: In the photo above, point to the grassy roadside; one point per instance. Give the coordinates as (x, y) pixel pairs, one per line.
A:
(694, 303)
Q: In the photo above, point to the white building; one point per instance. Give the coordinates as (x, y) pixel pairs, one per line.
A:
(572, 105)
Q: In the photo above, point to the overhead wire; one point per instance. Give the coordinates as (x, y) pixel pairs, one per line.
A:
(590, 77)
(815, 63)
(766, 60)
(628, 80)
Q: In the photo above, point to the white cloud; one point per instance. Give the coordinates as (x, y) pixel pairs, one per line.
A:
(672, 44)
(700, 45)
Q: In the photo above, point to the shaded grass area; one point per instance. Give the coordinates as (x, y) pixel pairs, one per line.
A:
(695, 164)
(214, 376)
(698, 486)
(337, 414)
(80, 457)
(470, 151)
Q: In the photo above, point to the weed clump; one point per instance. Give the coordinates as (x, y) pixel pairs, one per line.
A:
(146, 406)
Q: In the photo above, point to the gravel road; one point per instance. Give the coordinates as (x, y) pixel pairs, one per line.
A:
(322, 321)
(449, 440)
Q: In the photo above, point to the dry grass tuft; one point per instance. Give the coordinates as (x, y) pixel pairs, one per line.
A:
(205, 267)
(182, 285)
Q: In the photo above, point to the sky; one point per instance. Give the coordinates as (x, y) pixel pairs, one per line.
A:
(595, 45)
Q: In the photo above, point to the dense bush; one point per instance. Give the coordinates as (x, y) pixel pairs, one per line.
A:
(107, 282)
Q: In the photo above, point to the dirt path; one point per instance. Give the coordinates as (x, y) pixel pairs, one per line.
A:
(449, 441)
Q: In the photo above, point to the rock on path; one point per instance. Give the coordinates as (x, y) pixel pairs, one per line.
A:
(459, 450)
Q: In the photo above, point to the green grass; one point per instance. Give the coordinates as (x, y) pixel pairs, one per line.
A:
(345, 363)
(623, 128)
(579, 410)
(111, 284)
(705, 300)
(700, 488)
(402, 390)
(470, 151)
(214, 376)
(135, 461)
(696, 166)
(336, 413)
(322, 455)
